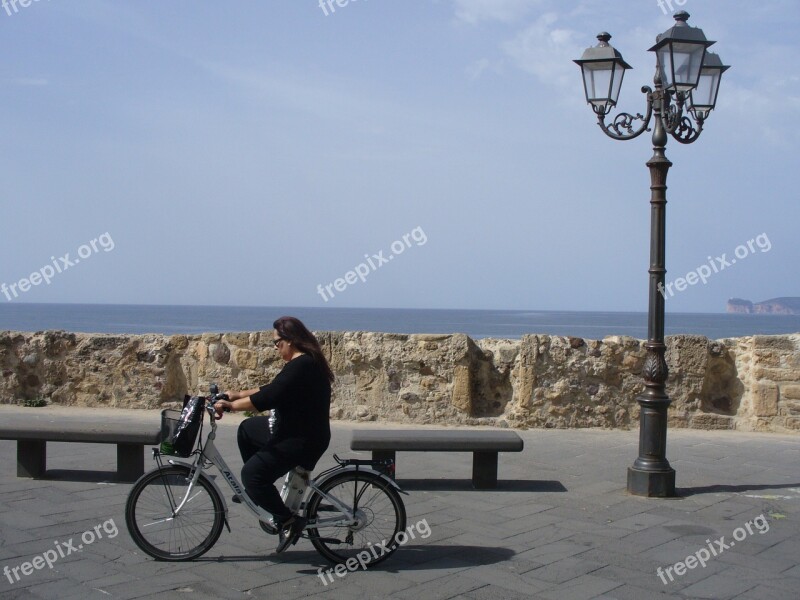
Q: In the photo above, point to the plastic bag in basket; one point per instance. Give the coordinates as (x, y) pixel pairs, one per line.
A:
(188, 426)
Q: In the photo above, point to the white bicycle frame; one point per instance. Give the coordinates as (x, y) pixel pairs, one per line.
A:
(211, 454)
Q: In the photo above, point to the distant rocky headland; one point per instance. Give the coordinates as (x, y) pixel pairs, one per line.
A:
(748, 383)
(776, 306)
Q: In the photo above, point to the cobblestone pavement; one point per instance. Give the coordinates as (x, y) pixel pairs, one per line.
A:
(560, 526)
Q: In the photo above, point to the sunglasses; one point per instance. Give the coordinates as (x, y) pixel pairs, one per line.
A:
(277, 342)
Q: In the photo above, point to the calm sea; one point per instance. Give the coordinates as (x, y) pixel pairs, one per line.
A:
(100, 318)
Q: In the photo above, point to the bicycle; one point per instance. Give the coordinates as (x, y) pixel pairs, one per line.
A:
(176, 512)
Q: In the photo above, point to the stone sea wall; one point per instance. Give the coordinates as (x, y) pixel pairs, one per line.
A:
(750, 383)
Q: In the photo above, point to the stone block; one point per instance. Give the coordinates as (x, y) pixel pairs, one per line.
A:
(238, 339)
(179, 342)
(773, 342)
(687, 354)
(765, 399)
(792, 423)
(710, 421)
(790, 392)
(768, 358)
(462, 396)
(245, 359)
(774, 374)
(220, 353)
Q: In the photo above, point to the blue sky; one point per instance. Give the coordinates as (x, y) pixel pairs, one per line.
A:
(246, 153)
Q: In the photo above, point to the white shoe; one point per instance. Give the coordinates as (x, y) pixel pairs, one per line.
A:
(269, 526)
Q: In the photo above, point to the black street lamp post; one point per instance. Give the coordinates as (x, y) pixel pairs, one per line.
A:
(686, 84)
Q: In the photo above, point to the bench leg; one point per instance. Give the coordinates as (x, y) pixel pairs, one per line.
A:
(31, 458)
(130, 461)
(384, 455)
(484, 470)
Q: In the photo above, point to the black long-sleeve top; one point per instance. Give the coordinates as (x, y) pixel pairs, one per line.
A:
(301, 396)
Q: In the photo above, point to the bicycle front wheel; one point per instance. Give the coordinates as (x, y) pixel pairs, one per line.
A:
(149, 514)
(380, 516)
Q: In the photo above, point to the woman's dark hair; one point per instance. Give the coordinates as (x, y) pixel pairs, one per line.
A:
(292, 330)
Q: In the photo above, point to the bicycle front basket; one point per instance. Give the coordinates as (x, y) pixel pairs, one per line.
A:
(169, 424)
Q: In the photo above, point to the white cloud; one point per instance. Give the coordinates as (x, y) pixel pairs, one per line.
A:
(547, 51)
(475, 11)
(475, 70)
(761, 91)
(765, 111)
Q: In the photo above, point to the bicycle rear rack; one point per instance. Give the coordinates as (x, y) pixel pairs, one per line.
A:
(384, 466)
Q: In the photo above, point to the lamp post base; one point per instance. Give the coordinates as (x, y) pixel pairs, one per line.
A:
(652, 484)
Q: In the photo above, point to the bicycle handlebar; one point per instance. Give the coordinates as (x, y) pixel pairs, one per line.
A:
(214, 396)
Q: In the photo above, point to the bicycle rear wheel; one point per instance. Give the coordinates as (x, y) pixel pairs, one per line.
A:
(380, 515)
(149, 514)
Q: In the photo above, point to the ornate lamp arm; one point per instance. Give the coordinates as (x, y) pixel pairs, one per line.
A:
(683, 125)
(621, 127)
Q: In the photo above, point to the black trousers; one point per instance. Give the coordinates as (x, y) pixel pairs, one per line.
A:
(263, 466)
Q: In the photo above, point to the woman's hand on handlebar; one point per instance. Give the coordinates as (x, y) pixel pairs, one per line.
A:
(225, 402)
(222, 404)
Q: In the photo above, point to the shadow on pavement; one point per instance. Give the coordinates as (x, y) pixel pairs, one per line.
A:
(465, 485)
(270, 557)
(715, 489)
(83, 476)
(434, 557)
(407, 558)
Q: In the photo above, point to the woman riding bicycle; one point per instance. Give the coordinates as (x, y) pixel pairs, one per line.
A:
(296, 433)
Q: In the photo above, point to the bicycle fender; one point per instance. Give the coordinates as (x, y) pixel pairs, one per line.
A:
(362, 469)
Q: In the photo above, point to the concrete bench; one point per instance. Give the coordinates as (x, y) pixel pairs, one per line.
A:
(32, 434)
(484, 445)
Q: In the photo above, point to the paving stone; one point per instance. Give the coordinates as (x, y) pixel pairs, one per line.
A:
(501, 580)
(387, 581)
(23, 519)
(65, 589)
(764, 592)
(767, 563)
(632, 592)
(525, 509)
(582, 587)
(452, 586)
(488, 593)
(566, 569)
(675, 551)
(436, 569)
(652, 537)
(109, 580)
(719, 586)
(630, 576)
(161, 583)
(639, 521)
